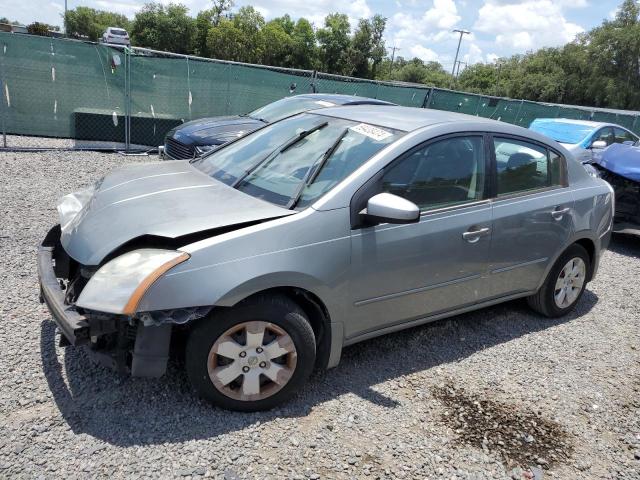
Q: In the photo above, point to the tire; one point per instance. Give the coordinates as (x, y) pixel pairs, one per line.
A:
(228, 342)
(545, 301)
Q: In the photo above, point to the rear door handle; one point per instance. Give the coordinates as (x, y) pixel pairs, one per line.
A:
(472, 236)
(558, 213)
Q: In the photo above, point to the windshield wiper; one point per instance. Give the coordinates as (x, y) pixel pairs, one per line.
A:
(315, 169)
(273, 155)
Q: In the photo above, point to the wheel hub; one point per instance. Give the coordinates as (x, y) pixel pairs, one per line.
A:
(570, 282)
(255, 368)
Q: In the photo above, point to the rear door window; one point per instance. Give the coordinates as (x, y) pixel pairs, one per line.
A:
(524, 166)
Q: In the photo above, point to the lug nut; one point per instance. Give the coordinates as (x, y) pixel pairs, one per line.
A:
(258, 350)
(243, 354)
(245, 369)
(263, 364)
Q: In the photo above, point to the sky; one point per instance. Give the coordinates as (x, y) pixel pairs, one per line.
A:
(418, 28)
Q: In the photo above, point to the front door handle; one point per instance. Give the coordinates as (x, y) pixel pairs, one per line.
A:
(558, 213)
(472, 236)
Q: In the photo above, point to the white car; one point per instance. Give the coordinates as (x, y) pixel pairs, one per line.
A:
(118, 36)
(585, 139)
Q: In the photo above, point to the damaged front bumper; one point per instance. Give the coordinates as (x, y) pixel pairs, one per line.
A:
(122, 343)
(627, 193)
(73, 325)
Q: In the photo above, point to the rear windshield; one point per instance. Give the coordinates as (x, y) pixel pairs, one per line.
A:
(563, 132)
(287, 107)
(118, 31)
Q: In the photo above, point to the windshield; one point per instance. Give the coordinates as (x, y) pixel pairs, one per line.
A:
(563, 132)
(293, 162)
(117, 31)
(287, 107)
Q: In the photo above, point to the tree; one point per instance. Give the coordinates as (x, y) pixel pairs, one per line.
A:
(278, 45)
(37, 28)
(163, 27)
(614, 52)
(10, 22)
(334, 43)
(286, 23)
(304, 52)
(378, 50)
(416, 71)
(85, 22)
(367, 47)
(250, 22)
(224, 41)
(207, 19)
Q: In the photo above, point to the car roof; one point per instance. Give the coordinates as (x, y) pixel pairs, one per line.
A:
(402, 118)
(586, 123)
(341, 99)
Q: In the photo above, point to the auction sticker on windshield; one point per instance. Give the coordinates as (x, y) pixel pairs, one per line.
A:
(371, 131)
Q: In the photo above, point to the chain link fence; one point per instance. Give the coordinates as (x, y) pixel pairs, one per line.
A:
(86, 95)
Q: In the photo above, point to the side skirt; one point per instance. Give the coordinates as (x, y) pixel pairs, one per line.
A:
(432, 318)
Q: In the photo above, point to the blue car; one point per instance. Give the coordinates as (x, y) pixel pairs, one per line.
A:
(619, 165)
(584, 138)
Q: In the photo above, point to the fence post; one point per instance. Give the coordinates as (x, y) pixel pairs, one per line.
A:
(228, 105)
(428, 105)
(127, 99)
(519, 110)
(3, 87)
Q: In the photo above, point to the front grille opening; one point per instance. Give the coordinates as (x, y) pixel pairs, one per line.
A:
(179, 150)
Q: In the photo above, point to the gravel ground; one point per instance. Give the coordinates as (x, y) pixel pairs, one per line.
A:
(498, 393)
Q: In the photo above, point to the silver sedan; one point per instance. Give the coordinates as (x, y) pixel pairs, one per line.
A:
(273, 253)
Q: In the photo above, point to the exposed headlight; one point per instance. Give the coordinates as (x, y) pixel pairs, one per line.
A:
(591, 170)
(118, 286)
(202, 149)
(71, 205)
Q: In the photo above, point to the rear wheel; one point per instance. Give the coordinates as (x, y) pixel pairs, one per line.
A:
(253, 356)
(564, 284)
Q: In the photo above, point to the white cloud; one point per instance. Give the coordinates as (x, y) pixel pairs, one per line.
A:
(419, 35)
(492, 57)
(474, 55)
(443, 14)
(526, 25)
(423, 53)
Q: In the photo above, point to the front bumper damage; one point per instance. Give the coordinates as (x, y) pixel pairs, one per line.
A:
(128, 345)
(627, 193)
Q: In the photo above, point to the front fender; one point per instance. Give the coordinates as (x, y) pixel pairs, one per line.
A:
(310, 251)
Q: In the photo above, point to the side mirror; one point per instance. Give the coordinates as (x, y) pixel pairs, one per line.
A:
(599, 144)
(389, 208)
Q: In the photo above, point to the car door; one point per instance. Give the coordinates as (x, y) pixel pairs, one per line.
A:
(532, 215)
(404, 272)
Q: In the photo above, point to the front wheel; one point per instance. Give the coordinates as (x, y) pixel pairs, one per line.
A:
(253, 356)
(564, 284)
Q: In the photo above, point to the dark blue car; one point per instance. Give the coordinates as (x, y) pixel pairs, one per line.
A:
(619, 165)
(193, 139)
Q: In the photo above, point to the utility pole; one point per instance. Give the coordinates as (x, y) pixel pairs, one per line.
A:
(461, 32)
(393, 55)
(64, 22)
(498, 79)
(460, 62)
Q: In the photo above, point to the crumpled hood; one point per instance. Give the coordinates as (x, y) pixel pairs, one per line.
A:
(165, 199)
(623, 160)
(213, 130)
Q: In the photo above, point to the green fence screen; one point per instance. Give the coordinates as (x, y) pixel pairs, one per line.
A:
(70, 89)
